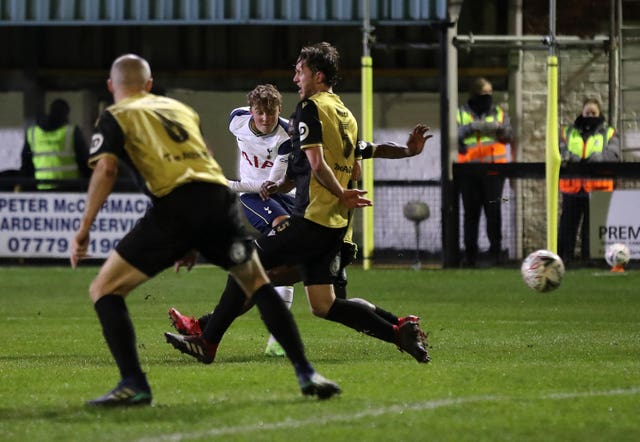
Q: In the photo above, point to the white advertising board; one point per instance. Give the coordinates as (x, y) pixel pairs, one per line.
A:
(41, 225)
(614, 217)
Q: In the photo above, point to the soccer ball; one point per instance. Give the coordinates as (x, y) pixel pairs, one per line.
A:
(617, 255)
(542, 270)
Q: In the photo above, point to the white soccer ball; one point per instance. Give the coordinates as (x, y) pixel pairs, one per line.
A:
(617, 255)
(542, 270)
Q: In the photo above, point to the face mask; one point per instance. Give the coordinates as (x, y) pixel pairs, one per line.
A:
(588, 124)
(480, 104)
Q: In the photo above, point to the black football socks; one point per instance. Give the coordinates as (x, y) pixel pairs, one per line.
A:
(281, 325)
(361, 318)
(119, 333)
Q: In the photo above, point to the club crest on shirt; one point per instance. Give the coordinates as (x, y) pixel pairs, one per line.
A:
(238, 252)
(96, 143)
(303, 130)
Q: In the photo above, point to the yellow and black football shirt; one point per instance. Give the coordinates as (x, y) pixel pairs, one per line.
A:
(322, 121)
(160, 138)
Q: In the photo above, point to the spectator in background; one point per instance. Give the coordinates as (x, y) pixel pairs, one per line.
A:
(588, 139)
(54, 149)
(483, 134)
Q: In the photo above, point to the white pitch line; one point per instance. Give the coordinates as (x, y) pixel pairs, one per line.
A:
(393, 409)
(617, 392)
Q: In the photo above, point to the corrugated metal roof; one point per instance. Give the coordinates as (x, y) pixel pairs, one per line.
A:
(215, 12)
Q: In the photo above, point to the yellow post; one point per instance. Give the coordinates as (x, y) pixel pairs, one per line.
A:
(552, 154)
(366, 133)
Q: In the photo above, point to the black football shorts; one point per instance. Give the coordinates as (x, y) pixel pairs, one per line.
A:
(313, 248)
(202, 216)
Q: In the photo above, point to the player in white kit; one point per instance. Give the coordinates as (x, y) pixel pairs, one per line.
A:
(263, 146)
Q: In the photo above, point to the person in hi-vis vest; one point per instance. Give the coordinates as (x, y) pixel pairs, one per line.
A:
(588, 139)
(55, 149)
(484, 132)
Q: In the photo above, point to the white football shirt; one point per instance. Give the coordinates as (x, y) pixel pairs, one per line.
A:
(262, 157)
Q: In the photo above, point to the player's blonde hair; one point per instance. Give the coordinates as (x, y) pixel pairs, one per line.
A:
(265, 97)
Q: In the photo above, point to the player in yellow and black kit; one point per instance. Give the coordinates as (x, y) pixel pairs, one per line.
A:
(193, 209)
(321, 165)
(288, 274)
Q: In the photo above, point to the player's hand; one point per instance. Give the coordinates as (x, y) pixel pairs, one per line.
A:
(352, 198)
(267, 189)
(417, 139)
(79, 247)
(188, 261)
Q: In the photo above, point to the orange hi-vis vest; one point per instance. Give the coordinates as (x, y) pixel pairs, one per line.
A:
(584, 149)
(482, 148)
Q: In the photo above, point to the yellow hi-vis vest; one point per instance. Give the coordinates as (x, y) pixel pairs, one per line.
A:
(584, 149)
(482, 148)
(53, 154)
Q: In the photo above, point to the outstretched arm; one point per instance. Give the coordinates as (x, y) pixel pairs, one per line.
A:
(415, 145)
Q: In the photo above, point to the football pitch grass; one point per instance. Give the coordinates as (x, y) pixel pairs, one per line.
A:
(507, 363)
